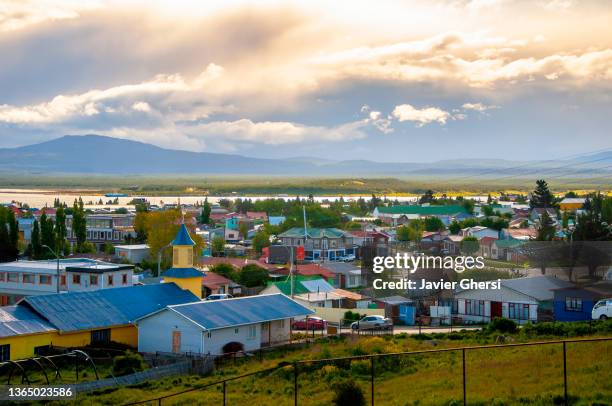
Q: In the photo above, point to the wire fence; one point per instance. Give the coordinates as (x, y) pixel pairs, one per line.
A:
(374, 365)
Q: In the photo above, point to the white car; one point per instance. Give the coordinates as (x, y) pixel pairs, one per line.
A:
(372, 323)
(602, 310)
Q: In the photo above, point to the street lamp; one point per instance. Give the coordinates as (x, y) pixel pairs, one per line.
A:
(58, 266)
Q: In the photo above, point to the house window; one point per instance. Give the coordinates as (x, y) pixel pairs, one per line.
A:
(5, 352)
(518, 311)
(28, 278)
(13, 277)
(252, 333)
(474, 307)
(110, 280)
(101, 336)
(63, 280)
(42, 350)
(124, 279)
(236, 330)
(573, 304)
(44, 279)
(93, 280)
(282, 323)
(2, 276)
(76, 279)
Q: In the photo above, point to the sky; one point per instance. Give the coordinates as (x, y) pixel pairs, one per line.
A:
(389, 81)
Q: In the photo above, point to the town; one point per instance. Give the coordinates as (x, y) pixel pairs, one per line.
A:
(247, 275)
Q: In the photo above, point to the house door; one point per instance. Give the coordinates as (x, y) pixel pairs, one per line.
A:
(176, 341)
(496, 309)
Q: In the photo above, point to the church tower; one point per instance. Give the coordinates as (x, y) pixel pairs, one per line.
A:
(182, 272)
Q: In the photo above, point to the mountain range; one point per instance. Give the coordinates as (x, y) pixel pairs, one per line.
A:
(95, 154)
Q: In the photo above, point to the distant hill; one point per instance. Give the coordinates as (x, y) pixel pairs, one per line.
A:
(97, 154)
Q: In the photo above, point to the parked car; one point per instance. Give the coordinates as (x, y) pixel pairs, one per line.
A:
(219, 296)
(602, 310)
(310, 323)
(373, 322)
(347, 258)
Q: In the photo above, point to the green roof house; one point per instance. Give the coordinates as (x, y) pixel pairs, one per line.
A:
(329, 243)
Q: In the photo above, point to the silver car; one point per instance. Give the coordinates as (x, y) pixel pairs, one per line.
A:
(373, 323)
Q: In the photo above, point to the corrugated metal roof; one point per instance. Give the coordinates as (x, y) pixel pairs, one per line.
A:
(183, 273)
(215, 314)
(538, 287)
(18, 320)
(317, 285)
(106, 307)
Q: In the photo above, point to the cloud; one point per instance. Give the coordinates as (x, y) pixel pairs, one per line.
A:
(18, 14)
(478, 107)
(427, 115)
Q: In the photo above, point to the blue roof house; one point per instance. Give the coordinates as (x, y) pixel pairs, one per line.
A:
(220, 326)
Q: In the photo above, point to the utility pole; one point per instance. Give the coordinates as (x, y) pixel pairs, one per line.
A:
(58, 266)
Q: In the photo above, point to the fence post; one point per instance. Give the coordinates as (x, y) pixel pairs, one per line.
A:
(159, 402)
(223, 393)
(295, 383)
(565, 374)
(464, 389)
(372, 378)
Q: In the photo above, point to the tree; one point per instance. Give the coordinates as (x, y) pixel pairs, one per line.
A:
(35, 241)
(47, 235)
(205, 215)
(79, 224)
(427, 197)
(218, 246)
(252, 275)
(9, 236)
(261, 240)
(469, 205)
(434, 224)
(454, 227)
(542, 197)
(224, 269)
(469, 245)
(60, 230)
(546, 229)
(243, 229)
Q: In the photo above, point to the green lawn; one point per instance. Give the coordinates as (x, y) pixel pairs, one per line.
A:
(514, 375)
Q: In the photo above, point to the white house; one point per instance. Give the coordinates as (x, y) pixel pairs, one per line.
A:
(135, 253)
(479, 232)
(517, 299)
(219, 326)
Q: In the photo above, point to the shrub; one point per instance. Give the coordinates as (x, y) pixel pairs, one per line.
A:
(502, 325)
(348, 393)
(127, 364)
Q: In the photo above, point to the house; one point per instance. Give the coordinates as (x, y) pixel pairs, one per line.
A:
(237, 263)
(214, 284)
(572, 203)
(507, 250)
(398, 308)
(369, 237)
(19, 279)
(307, 270)
(486, 244)
(536, 214)
(135, 253)
(576, 302)
(520, 299)
(320, 243)
(451, 244)
(402, 214)
(345, 275)
(258, 216)
(301, 284)
(25, 225)
(78, 319)
(479, 232)
(433, 241)
(320, 299)
(220, 326)
(523, 234)
(276, 220)
(352, 300)
(104, 229)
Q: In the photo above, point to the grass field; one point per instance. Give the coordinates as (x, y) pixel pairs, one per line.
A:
(508, 376)
(273, 185)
